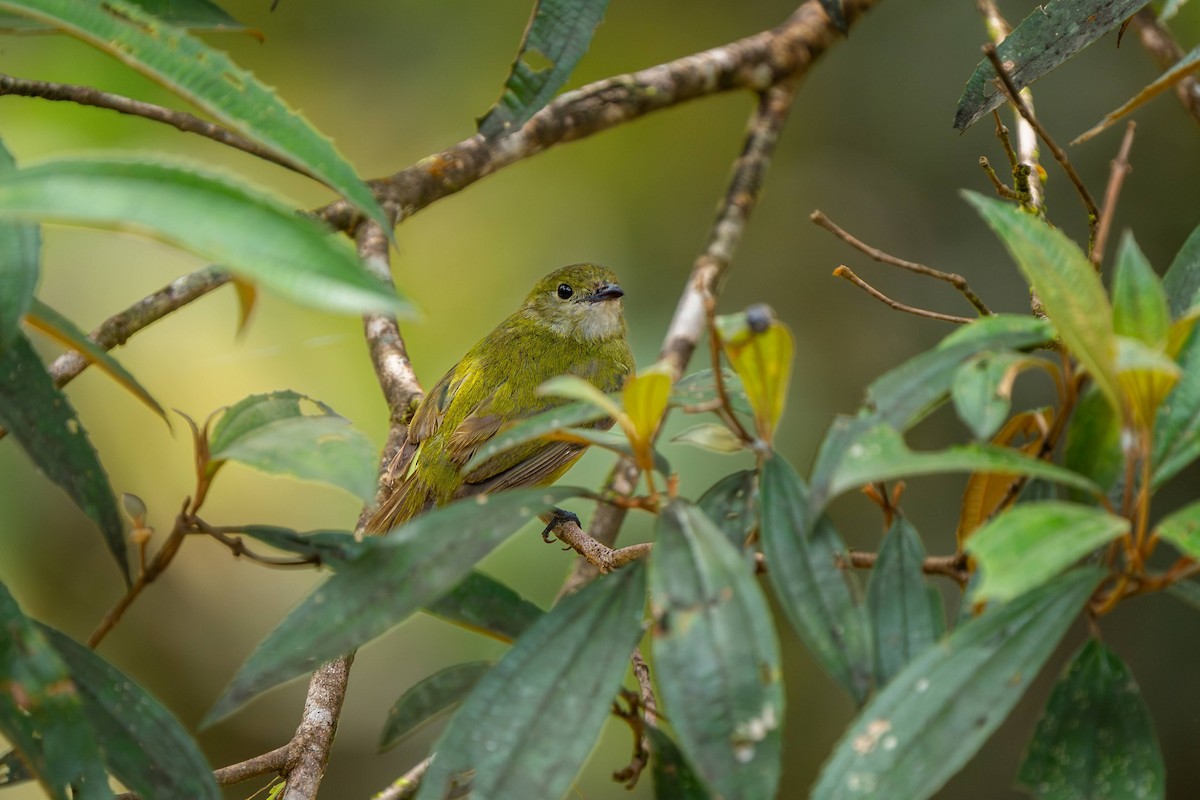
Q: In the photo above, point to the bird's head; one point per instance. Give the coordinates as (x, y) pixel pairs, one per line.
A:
(582, 301)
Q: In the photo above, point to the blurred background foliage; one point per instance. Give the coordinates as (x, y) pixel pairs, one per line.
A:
(869, 142)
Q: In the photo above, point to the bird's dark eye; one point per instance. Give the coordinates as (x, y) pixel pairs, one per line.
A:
(565, 291)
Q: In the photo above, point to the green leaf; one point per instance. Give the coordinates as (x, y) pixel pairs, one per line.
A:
(674, 778)
(933, 716)
(55, 325)
(1186, 591)
(1096, 737)
(716, 654)
(272, 433)
(1177, 427)
(43, 422)
(1052, 33)
(982, 390)
(41, 711)
(207, 77)
(880, 454)
(144, 746)
(534, 427)
(559, 32)
(20, 256)
(1182, 68)
(1182, 280)
(430, 697)
(700, 389)
(1139, 303)
(905, 395)
(732, 503)
(331, 548)
(533, 718)
(1094, 441)
(1182, 529)
(210, 215)
(195, 15)
(1065, 281)
(711, 436)
(1032, 542)
(803, 552)
(484, 604)
(399, 573)
(576, 388)
(902, 615)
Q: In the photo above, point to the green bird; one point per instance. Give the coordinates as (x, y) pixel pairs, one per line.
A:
(570, 324)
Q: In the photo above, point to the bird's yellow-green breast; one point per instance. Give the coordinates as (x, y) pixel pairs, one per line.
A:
(571, 323)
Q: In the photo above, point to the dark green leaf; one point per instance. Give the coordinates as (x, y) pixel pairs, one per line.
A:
(1187, 591)
(1096, 738)
(144, 746)
(20, 254)
(1139, 303)
(1182, 281)
(210, 79)
(674, 778)
(1051, 34)
(880, 454)
(559, 33)
(902, 615)
(821, 600)
(482, 603)
(212, 216)
(716, 655)
(982, 391)
(1065, 281)
(41, 711)
(1094, 441)
(1030, 543)
(49, 321)
(941, 708)
(285, 433)
(732, 503)
(700, 389)
(429, 698)
(329, 547)
(533, 718)
(1177, 428)
(195, 15)
(411, 567)
(534, 427)
(906, 394)
(42, 420)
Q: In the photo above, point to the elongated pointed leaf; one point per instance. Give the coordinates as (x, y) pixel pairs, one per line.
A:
(576, 388)
(982, 390)
(41, 711)
(1066, 282)
(537, 426)
(902, 616)
(411, 567)
(208, 78)
(1096, 737)
(1182, 529)
(1051, 34)
(711, 436)
(645, 399)
(941, 708)
(1094, 441)
(1182, 279)
(429, 698)
(700, 389)
(331, 548)
(880, 454)
(1139, 302)
(559, 32)
(804, 553)
(195, 15)
(1173, 75)
(212, 216)
(533, 718)
(484, 604)
(50, 322)
(42, 420)
(763, 361)
(674, 778)
(1177, 427)
(20, 255)
(144, 746)
(716, 655)
(732, 503)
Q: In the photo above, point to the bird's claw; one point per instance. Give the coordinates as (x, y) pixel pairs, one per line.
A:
(557, 517)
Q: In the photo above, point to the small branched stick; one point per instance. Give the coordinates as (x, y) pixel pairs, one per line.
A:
(1116, 177)
(954, 566)
(845, 272)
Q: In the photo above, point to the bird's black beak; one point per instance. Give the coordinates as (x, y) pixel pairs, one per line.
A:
(606, 291)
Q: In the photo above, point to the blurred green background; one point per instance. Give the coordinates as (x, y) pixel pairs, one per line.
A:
(869, 142)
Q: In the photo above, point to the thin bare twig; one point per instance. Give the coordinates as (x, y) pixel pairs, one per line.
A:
(180, 120)
(1015, 97)
(845, 272)
(271, 761)
(949, 566)
(1001, 187)
(160, 562)
(1116, 177)
(405, 787)
(954, 279)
